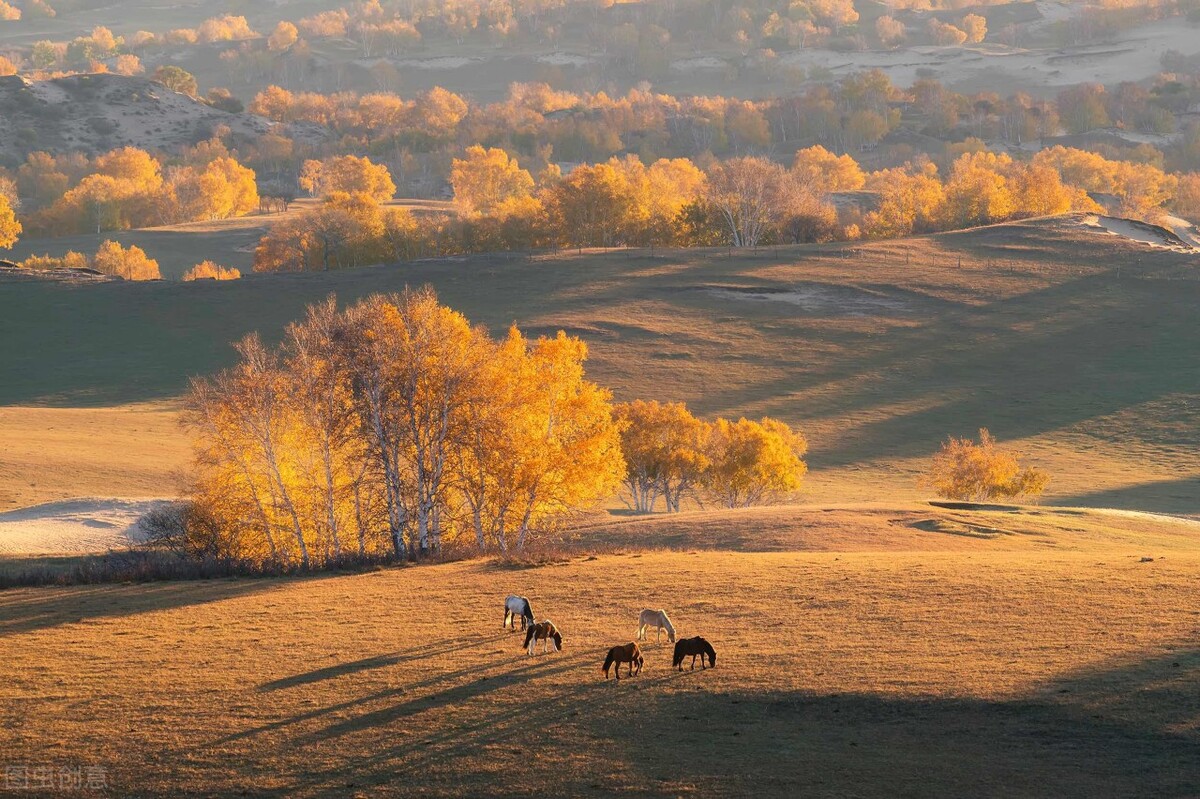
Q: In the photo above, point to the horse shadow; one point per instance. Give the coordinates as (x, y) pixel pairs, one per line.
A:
(381, 661)
(366, 720)
(514, 676)
(507, 727)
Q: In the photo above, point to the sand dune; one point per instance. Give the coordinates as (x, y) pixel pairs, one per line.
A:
(1154, 235)
(73, 526)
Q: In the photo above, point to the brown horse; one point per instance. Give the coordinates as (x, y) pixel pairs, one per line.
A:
(694, 646)
(629, 653)
(543, 631)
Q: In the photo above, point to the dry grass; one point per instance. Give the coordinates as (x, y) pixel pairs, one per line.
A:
(1035, 337)
(1055, 664)
(56, 453)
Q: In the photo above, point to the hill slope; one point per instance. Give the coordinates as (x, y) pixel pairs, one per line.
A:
(95, 113)
(1080, 347)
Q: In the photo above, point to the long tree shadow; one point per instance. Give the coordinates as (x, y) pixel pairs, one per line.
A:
(39, 608)
(1172, 496)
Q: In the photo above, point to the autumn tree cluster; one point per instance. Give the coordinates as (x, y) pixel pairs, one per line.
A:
(672, 455)
(980, 471)
(129, 263)
(207, 270)
(130, 188)
(390, 429)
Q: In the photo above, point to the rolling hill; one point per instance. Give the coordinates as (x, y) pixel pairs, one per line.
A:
(1078, 346)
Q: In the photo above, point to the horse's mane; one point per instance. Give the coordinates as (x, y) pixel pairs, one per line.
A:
(667, 621)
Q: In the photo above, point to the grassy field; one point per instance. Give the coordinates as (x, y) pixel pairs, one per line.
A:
(918, 657)
(1079, 347)
(177, 248)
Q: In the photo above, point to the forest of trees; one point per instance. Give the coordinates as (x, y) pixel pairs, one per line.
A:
(394, 427)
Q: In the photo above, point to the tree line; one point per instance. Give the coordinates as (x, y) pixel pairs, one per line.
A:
(394, 427)
(740, 202)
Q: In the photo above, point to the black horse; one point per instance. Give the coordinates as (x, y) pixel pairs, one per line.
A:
(694, 646)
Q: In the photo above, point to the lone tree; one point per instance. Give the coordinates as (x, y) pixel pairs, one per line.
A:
(176, 79)
(978, 472)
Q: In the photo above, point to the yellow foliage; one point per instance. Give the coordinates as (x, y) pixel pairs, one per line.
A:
(753, 462)
(966, 470)
(486, 179)
(394, 427)
(131, 263)
(10, 228)
(350, 174)
(665, 452)
(822, 172)
(207, 270)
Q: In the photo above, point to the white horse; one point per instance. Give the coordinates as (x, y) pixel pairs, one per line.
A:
(657, 619)
(515, 606)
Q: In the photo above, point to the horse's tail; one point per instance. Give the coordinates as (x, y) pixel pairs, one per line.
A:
(677, 658)
(528, 636)
(608, 661)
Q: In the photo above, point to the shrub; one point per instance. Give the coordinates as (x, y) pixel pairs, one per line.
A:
(965, 470)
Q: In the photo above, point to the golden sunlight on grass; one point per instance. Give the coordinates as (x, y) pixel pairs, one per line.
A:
(1049, 660)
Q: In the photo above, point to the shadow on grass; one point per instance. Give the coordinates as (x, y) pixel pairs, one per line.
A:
(1125, 731)
(1167, 496)
(24, 610)
(382, 661)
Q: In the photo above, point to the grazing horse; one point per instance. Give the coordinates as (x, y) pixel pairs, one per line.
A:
(629, 653)
(659, 621)
(694, 646)
(515, 606)
(543, 631)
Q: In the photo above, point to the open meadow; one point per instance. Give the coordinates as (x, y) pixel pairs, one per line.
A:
(869, 643)
(924, 652)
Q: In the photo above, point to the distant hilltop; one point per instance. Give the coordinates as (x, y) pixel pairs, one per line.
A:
(99, 112)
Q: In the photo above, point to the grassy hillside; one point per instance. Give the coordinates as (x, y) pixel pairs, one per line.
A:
(1079, 346)
(177, 248)
(1049, 665)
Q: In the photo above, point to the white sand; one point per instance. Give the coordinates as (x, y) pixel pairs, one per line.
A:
(1137, 231)
(706, 63)
(440, 62)
(565, 60)
(73, 526)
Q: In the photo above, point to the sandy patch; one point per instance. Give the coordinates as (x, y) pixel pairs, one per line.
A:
(565, 60)
(441, 62)
(1154, 235)
(706, 63)
(817, 299)
(74, 526)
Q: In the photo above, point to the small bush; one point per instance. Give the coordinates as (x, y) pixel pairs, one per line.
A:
(965, 470)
